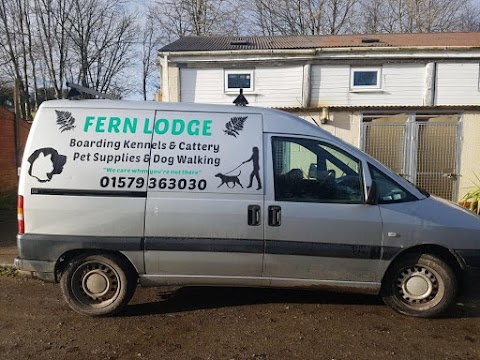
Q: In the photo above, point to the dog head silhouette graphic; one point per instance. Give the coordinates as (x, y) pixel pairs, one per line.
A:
(44, 163)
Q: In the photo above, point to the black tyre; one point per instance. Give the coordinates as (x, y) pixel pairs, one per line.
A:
(420, 285)
(98, 285)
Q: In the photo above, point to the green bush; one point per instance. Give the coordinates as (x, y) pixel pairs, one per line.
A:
(7, 271)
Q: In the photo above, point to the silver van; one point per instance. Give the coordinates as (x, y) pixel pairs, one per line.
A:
(113, 193)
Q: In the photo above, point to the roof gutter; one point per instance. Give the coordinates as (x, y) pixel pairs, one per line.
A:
(315, 51)
(238, 52)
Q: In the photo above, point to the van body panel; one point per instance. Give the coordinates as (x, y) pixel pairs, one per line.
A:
(86, 150)
(369, 288)
(335, 251)
(212, 221)
(85, 215)
(203, 280)
(430, 221)
(203, 263)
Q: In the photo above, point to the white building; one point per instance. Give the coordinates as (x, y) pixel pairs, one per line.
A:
(410, 100)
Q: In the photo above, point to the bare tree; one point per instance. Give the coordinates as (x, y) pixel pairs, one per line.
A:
(151, 42)
(54, 45)
(178, 18)
(304, 17)
(13, 47)
(410, 16)
(264, 18)
(46, 42)
(102, 37)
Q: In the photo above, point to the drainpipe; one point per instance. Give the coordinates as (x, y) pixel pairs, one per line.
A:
(165, 79)
(430, 84)
(307, 86)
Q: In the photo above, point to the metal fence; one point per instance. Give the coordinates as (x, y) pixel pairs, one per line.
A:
(424, 148)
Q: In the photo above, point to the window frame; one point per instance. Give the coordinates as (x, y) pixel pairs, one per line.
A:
(319, 143)
(376, 87)
(228, 72)
(409, 197)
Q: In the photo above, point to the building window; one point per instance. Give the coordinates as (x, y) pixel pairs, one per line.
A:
(238, 79)
(365, 78)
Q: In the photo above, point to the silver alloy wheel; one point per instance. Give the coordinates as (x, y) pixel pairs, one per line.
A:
(95, 284)
(419, 285)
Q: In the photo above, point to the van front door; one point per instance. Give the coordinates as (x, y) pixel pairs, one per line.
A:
(203, 221)
(318, 226)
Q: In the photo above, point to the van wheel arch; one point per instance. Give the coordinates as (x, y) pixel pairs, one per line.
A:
(68, 256)
(441, 252)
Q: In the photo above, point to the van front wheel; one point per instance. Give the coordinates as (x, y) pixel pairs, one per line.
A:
(420, 285)
(98, 285)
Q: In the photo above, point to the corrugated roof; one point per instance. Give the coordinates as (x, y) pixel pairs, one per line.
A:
(229, 43)
(380, 107)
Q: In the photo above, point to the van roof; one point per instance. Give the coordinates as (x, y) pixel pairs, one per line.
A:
(273, 120)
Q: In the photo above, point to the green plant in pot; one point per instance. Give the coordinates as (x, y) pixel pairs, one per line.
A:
(471, 199)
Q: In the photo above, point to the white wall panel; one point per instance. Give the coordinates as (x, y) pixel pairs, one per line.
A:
(401, 84)
(201, 85)
(273, 86)
(458, 84)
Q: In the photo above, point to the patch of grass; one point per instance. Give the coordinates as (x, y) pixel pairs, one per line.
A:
(8, 200)
(7, 271)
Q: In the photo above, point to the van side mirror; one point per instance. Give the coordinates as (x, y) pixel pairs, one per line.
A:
(372, 194)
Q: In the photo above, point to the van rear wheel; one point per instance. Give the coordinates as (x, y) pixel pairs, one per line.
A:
(420, 285)
(98, 285)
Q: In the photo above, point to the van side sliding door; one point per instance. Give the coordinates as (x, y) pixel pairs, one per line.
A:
(203, 221)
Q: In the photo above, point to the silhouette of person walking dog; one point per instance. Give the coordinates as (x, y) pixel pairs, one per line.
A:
(256, 168)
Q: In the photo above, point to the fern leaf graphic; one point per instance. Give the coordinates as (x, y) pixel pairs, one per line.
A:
(235, 125)
(65, 120)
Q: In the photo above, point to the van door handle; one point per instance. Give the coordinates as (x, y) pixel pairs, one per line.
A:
(274, 215)
(253, 215)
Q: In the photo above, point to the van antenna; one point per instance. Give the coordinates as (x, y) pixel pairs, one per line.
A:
(77, 90)
(311, 117)
(315, 121)
(240, 100)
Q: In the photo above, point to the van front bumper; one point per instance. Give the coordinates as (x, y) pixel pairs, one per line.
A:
(43, 270)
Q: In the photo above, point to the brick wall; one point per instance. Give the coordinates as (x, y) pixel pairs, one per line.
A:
(8, 169)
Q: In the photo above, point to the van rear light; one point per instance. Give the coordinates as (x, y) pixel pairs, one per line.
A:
(20, 219)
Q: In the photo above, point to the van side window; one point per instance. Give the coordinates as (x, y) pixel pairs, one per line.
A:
(311, 171)
(388, 191)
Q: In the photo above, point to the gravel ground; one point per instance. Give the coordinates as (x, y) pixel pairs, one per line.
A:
(231, 323)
